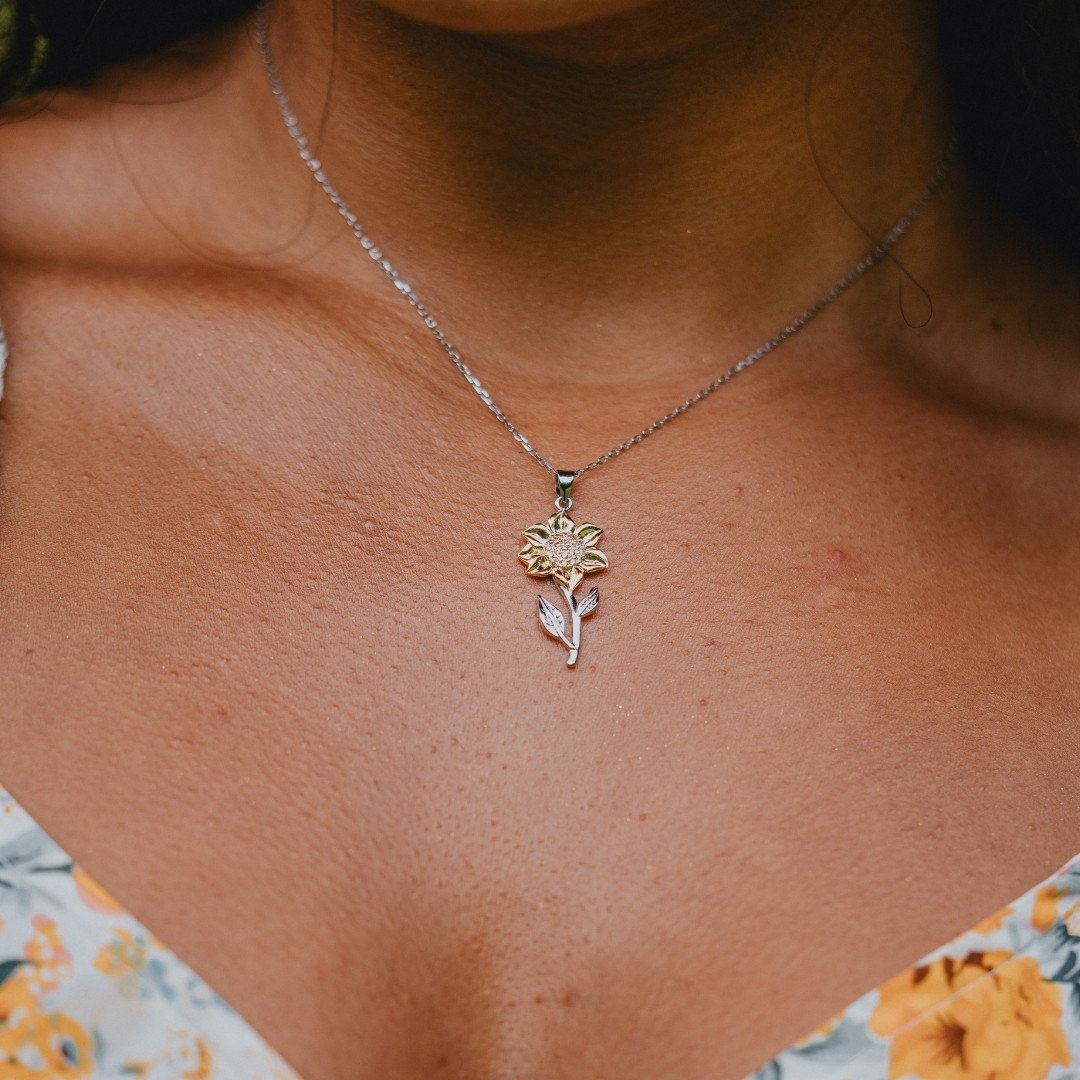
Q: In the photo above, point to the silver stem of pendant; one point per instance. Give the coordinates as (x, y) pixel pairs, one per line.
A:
(564, 481)
(315, 166)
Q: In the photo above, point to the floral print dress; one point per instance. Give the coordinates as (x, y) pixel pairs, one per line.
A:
(1000, 1002)
(87, 991)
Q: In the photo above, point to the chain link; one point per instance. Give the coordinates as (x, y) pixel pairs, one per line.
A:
(314, 164)
(3, 358)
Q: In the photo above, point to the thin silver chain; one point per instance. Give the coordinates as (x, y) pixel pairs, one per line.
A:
(869, 260)
(3, 358)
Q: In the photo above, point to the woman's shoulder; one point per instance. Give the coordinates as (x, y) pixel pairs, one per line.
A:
(80, 166)
(59, 181)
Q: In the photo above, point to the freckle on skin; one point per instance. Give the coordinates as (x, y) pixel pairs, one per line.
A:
(838, 558)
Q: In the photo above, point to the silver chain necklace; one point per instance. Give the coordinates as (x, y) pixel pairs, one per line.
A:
(559, 549)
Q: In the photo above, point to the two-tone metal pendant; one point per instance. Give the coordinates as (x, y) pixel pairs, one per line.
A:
(564, 552)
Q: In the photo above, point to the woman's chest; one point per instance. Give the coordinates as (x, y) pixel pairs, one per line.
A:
(389, 825)
(630, 893)
(286, 693)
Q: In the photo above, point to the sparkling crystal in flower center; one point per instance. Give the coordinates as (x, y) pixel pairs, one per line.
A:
(564, 550)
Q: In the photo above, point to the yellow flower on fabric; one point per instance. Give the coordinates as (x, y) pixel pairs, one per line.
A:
(1045, 912)
(187, 1057)
(18, 1008)
(562, 550)
(49, 959)
(123, 958)
(919, 989)
(35, 1044)
(998, 1019)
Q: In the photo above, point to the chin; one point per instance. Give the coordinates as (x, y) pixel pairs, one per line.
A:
(509, 16)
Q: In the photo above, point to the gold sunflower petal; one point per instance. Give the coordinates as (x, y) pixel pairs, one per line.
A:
(539, 566)
(589, 535)
(593, 560)
(537, 534)
(560, 522)
(531, 549)
(575, 577)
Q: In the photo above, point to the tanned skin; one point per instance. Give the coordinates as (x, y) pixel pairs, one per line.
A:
(269, 668)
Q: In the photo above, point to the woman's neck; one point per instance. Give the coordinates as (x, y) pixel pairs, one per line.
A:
(570, 181)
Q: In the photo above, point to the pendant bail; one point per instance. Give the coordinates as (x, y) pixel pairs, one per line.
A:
(564, 481)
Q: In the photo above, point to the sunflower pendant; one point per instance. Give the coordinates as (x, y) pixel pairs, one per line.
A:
(564, 552)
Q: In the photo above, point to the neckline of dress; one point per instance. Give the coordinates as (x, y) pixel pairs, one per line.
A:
(853, 1005)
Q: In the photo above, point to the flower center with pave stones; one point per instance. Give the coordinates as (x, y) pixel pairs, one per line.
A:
(564, 549)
